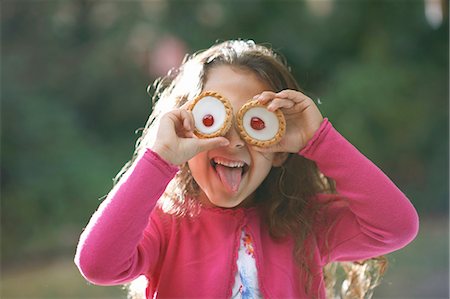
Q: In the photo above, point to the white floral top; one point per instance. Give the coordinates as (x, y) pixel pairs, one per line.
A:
(246, 280)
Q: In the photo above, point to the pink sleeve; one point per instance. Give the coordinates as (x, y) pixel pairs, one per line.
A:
(113, 249)
(370, 216)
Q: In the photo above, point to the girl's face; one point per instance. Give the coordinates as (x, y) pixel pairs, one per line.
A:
(228, 176)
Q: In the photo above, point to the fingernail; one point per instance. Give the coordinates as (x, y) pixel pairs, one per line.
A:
(257, 96)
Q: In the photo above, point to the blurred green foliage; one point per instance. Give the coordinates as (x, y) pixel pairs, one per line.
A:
(74, 77)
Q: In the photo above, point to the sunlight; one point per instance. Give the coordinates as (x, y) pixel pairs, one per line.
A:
(434, 13)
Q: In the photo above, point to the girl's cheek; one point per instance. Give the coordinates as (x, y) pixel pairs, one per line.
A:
(258, 156)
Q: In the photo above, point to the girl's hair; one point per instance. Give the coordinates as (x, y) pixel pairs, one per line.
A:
(287, 206)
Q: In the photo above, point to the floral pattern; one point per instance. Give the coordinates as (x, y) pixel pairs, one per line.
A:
(246, 279)
(247, 239)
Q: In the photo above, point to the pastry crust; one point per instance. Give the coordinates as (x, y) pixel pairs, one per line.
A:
(254, 141)
(228, 114)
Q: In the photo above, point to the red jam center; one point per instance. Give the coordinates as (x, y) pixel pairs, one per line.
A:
(257, 124)
(208, 120)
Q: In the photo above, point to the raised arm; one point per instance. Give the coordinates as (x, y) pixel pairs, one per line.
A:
(114, 249)
(370, 216)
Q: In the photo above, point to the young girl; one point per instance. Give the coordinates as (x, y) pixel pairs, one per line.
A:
(220, 218)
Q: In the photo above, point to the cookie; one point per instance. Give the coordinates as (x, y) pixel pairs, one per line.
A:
(259, 126)
(213, 115)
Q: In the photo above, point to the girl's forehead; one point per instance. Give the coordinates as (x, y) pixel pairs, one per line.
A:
(238, 85)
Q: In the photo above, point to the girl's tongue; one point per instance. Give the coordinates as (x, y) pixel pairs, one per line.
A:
(230, 176)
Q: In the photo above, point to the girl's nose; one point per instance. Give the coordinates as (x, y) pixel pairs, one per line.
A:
(235, 138)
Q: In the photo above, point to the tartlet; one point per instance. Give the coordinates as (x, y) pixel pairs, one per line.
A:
(259, 126)
(213, 115)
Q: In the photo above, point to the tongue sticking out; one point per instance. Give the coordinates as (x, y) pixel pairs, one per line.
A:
(230, 176)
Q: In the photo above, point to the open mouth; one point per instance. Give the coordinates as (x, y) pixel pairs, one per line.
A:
(230, 172)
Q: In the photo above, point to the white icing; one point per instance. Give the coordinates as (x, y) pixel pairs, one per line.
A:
(269, 118)
(213, 106)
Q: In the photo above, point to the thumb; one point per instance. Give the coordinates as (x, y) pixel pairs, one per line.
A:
(210, 143)
(269, 149)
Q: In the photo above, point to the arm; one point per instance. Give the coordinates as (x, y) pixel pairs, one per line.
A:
(376, 218)
(370, 216)
(113, 248)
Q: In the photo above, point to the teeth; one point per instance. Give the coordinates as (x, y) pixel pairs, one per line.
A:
(229, 163)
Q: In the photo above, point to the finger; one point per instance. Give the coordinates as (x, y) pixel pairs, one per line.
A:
(189, 134)
(183, 122)
(298, 108)
(211, 143)
(280, 103)
(185, 134)
(294, 95)
(177, 120)
(188, 120)
(265, 97)
(268, 149)
(171, 121)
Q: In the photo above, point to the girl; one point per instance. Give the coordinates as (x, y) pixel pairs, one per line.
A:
(219, 218)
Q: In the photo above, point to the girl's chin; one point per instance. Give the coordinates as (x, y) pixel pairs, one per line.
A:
(225, 203)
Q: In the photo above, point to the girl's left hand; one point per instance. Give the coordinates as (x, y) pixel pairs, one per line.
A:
(303, 118)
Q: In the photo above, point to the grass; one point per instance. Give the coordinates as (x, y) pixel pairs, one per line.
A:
(420, 270)
(57, 279)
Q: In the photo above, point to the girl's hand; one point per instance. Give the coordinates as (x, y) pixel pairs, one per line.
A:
(303, 118)
(175, 141)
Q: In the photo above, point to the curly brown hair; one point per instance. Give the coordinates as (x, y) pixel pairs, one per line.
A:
(288, 207)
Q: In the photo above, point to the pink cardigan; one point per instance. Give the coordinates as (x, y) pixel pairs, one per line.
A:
(196, 257)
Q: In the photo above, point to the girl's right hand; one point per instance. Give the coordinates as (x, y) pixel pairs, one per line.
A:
(175, 140)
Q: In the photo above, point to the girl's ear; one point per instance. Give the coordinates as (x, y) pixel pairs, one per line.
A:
(279, 159)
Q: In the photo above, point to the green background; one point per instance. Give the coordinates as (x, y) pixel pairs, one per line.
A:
(73, 92)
